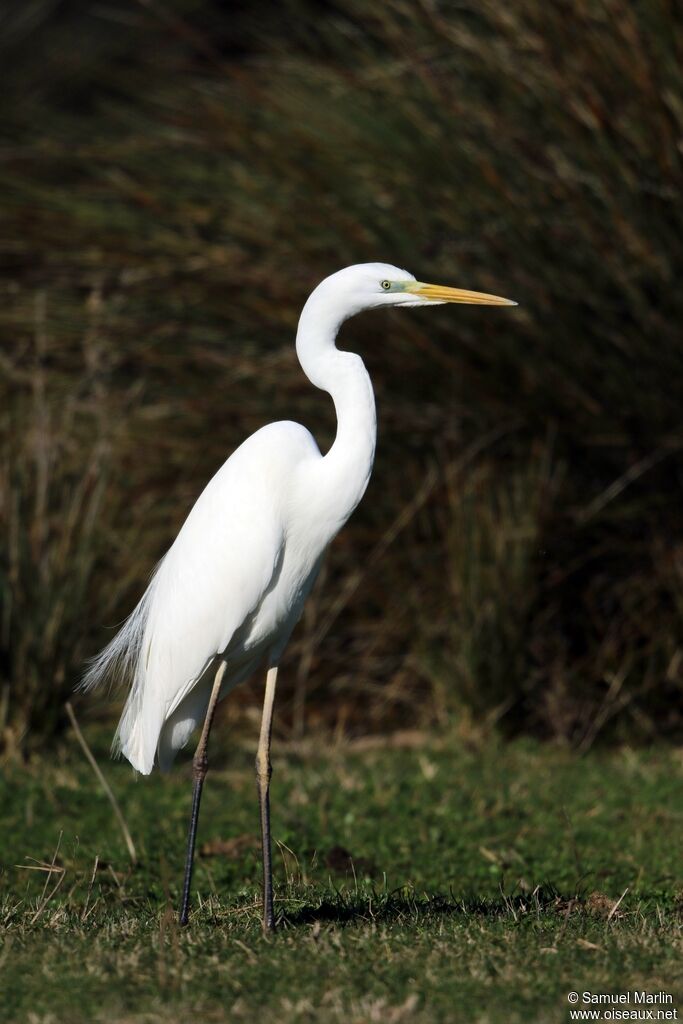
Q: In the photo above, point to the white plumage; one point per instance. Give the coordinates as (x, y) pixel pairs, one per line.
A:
(232, 586)
(235, 580)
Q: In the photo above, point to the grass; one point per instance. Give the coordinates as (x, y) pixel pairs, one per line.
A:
(485, 882)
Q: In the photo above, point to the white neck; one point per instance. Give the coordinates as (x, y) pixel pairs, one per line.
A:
(347, 466)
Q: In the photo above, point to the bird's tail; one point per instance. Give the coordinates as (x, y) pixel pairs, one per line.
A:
(122, 663)
(116, 663)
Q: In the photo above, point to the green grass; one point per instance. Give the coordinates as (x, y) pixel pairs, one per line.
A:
(484, 885)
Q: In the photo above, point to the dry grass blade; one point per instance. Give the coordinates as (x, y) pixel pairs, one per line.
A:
(616, 906)
(51, 869)
(632, 474)
(104, 784)
(84, 915)
(45, 899)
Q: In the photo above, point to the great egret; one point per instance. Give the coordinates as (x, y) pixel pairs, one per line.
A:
(227, 595)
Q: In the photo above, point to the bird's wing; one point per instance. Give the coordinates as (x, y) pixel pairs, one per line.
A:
(212, 579)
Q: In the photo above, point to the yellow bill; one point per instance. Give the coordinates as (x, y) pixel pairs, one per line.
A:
(439, 293)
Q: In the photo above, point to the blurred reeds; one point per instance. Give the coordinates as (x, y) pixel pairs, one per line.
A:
(175, 179)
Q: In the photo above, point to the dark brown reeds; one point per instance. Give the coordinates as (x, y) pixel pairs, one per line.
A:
(173, 188)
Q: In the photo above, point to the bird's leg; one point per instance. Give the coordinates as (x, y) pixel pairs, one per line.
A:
(263, 773)
(200, 764)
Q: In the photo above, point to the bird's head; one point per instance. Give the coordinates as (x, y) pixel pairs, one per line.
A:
(368, 285)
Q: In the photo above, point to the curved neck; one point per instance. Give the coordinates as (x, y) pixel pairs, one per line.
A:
(347, 466)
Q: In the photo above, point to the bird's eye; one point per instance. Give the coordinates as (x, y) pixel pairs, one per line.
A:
(386, 285)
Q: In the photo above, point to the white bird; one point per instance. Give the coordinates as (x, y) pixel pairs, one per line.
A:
(228, 593)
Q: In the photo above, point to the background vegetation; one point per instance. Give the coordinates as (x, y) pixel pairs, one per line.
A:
(176, 176)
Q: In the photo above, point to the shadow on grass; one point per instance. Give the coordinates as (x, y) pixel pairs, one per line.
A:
(403, 904)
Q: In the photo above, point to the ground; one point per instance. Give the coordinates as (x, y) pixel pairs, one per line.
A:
(418, 879)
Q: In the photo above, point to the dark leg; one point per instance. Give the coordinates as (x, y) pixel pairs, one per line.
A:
(200, 766)
(263, 773)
